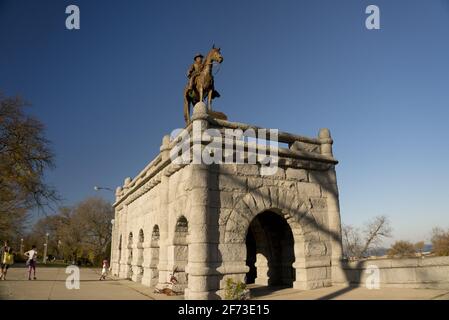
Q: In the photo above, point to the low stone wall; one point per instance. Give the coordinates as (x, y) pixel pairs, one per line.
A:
(425, 272)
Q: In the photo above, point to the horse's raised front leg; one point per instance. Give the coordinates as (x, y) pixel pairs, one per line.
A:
(209, 100)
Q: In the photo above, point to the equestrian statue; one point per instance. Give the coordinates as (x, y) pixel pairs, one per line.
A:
(201, 81)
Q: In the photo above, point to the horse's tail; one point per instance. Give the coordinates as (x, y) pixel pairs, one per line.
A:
(215, 94)
(186, 106)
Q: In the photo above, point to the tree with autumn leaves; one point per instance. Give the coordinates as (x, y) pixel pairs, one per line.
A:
(78, 233)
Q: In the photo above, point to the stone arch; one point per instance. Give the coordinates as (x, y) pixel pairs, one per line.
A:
(181, 230)
(294, 211)
(141, 237)
(155, 236)
(295, 208)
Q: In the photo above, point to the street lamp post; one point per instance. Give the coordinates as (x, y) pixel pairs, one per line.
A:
(21, 247)
(45, 247)
(96, 188)
(59, 246)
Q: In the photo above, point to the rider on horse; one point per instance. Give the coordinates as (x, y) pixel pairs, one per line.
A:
(195, 70)
(201, 81)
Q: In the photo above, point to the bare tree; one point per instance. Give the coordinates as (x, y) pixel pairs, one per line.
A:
(352, 241)
(358, 243)
(24, 157)
(375, 232)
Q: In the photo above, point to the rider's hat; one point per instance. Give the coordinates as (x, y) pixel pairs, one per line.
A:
(198, 55)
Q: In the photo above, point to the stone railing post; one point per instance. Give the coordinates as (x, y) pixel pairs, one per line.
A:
(326, 142)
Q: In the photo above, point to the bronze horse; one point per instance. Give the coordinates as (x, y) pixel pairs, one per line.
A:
(203, 85)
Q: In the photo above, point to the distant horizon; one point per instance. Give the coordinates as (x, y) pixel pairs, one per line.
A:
(109, 92)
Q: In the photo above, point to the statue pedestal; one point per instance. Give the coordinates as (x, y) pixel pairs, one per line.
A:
(217, 115)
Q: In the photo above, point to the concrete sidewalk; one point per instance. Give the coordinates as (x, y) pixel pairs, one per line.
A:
(349, 293)
(50, 285)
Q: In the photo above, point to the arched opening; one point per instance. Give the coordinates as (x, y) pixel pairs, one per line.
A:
(141, 236)
(181, 253)
(270, 251)
(154, 256)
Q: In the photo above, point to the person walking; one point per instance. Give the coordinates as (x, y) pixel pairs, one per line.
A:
(5, 256)
(104, 271)
(31, 262)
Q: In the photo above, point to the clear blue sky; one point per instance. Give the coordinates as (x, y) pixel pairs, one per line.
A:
(109, 92)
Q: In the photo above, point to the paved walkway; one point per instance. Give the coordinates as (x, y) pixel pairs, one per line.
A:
(349, 293)
(50, 285)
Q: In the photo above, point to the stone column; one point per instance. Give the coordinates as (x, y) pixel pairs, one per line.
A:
(154, 277)
(300, 266)
(333, 206)
(114, 248)
(203, 279)
(330, 192)
(262, 243)
(163, 272)
(262, 270)
(138, 262)
(116, 267)
(151, 259)
(124, 267)
(147, 274)
(120, 246)
(313, 267)
(135, 260)
(234, 264)
(115, 236)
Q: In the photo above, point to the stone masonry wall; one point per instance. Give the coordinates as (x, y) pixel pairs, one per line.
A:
(427, 272)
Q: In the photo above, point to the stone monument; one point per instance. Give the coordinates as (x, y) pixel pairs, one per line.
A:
(191, 225)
